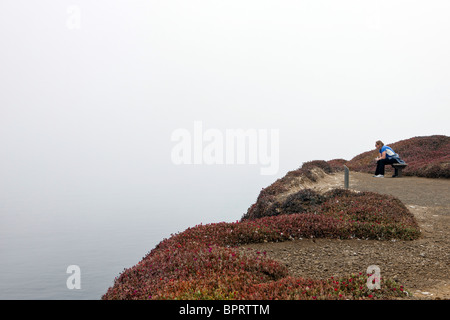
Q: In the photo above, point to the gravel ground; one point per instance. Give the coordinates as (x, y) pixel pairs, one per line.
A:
(421, 265)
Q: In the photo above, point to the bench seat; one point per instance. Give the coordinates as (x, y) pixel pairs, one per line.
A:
(398, 167)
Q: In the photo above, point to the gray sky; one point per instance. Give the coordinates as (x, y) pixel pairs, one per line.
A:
(92, 90)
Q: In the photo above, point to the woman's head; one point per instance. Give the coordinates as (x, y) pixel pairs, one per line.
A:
(379, 144)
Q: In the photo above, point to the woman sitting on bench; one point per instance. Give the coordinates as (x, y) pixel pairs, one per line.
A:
(387, 156)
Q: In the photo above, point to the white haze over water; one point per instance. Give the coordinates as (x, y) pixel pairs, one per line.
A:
(92, 91)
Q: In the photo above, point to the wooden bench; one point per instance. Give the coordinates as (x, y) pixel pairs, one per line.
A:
(398, 169)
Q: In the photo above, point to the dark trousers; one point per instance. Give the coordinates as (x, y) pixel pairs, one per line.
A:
(381, 163)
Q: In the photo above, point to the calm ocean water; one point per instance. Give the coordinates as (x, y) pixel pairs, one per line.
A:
(44, 232)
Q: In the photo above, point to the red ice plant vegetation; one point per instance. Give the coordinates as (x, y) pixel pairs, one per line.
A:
(267, 203)
(206, 262)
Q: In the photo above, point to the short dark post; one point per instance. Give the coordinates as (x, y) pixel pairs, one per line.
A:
(346, 177)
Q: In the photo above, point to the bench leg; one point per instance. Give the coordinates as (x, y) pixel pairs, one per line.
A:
(398, 171)
(395, 172)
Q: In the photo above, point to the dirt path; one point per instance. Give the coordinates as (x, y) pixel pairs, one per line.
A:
(422, 265)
